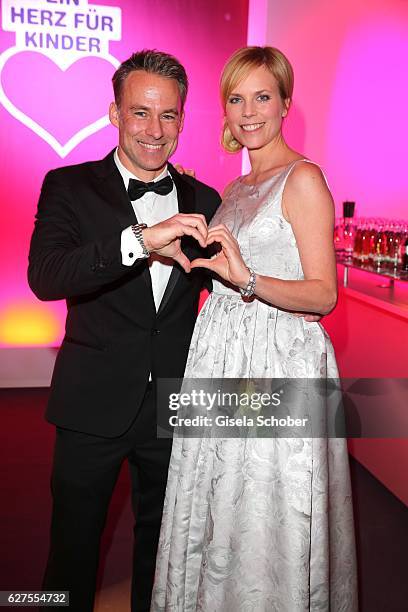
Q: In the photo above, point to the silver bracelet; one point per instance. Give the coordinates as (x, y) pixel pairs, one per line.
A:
(250, 288)
(137, 231)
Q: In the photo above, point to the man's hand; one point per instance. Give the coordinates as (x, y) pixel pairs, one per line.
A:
(164, 238)
(310, 318)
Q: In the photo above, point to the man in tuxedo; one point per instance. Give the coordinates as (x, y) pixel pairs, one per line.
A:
(115, 238)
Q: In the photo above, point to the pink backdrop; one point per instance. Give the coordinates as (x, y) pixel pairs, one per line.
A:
(348, 113)
(201, 34)
(351, 95)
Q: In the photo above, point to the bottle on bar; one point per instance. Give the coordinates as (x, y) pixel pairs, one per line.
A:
(381, 246)
(405, 256)
(338, 236)
(394, 246)
(372, 241)
(348, 230)
(365, 244)
(358, 242)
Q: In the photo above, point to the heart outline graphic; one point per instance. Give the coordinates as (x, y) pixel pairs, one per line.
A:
(61, 149)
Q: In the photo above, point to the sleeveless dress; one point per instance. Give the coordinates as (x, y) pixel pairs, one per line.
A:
(257, 524)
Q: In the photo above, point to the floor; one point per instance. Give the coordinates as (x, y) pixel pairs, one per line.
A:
(26, 443)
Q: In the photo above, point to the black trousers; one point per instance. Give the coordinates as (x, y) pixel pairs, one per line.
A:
(85, 471)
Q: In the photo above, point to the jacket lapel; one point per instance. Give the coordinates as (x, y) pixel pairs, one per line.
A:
(186, 204)
(111, 188)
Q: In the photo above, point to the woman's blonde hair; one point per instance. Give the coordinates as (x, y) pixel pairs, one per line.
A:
(239, 66)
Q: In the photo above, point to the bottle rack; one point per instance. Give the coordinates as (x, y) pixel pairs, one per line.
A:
(389, 275)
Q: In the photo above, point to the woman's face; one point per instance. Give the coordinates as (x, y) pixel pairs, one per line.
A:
(254, 110)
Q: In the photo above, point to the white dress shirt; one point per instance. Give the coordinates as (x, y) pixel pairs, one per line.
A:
(151, 208)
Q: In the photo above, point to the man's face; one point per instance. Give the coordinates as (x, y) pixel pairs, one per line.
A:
(149, 120)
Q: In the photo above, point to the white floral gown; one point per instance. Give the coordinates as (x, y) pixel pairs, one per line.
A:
(257, 525)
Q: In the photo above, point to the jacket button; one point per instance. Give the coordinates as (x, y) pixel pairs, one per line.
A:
(155, 332)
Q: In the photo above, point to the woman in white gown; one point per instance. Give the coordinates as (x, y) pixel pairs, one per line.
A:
(262, 525)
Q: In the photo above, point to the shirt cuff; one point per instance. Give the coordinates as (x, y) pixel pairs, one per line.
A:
(130, 247)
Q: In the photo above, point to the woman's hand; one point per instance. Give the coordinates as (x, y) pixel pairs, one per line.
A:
(230, 266)
(309, 317)
(228, 262)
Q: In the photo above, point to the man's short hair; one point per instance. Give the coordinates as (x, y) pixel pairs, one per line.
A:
(155, 62)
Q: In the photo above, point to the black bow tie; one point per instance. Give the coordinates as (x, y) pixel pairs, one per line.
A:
(137, 189)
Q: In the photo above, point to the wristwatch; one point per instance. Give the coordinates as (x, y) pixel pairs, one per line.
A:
(137, 230)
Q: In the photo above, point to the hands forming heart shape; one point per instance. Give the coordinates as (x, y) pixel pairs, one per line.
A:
(227, 262)
(164, 239)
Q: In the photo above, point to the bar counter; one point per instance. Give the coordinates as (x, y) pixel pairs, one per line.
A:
(369, 331)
